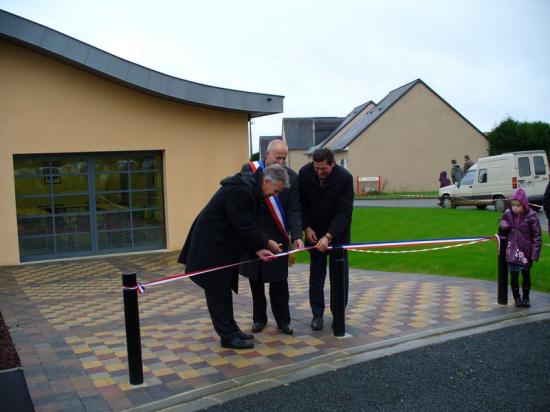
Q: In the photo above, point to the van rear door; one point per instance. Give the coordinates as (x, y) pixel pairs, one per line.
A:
(540, 170)
(525, 172)
(532, 169)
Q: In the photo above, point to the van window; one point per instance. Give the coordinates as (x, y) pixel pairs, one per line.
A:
(482, 178)
(540, 168)
(468, 178)
(524, 166)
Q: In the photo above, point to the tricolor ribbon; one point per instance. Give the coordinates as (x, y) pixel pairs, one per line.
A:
(352, 246)
(258, 164)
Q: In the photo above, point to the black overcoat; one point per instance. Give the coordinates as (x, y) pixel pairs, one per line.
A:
(277, 269)
(327, 208)
(225, 230)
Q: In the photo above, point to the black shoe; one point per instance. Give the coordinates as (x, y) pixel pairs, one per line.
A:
(317, 323)
(244, 336)
(525, 303)
(258, 326)
(286, 329)
(236, 343)
(518, 302)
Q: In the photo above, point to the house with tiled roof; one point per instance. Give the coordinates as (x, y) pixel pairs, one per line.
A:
(407, 139)
(300, 133)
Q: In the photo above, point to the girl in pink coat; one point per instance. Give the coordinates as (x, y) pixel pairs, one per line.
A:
(524, 243)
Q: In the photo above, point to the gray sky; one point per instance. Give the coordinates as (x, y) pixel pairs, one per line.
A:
(487, 58)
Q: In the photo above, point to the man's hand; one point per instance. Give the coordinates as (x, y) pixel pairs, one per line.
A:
(265, 255)
(322, 244)
(274, 246)
(311, 236)
(298, 244)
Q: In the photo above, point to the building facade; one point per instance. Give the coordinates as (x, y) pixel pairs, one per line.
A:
(99, 155)
(407, 139)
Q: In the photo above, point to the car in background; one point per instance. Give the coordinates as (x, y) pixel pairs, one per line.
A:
(493, 180)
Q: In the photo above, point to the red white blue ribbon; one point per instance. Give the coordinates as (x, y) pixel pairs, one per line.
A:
(401, 243)
(258, 164)
(276, 209)
(372, 245)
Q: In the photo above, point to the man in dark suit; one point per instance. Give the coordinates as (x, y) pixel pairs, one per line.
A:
(275, 272)
(222, 232)
(326, 196)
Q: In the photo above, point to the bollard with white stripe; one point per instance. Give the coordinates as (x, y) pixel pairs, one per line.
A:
(131, 317)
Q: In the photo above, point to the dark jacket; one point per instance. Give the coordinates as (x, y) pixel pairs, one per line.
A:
(524, 240)
(546, 204)
(224, 230)
(456, 173)
(327, 208)
(277, 270)
(443, 179)
(467, 165)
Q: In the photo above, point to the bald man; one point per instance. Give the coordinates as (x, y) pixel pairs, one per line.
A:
(287, 232)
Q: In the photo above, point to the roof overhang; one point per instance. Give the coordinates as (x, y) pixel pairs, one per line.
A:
(83, 56)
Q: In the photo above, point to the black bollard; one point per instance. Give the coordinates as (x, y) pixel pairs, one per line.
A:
(502, 269)
(133, 338)
(338, 290)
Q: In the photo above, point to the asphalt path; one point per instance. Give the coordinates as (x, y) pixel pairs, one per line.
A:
(429, 203)
(507, 370)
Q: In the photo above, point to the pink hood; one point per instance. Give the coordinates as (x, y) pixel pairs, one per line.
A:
(521, 197)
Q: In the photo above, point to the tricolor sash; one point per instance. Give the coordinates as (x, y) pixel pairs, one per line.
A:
(258, 164)
(273, 204)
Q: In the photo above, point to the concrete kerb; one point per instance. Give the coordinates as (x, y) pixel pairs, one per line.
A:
(234, 388)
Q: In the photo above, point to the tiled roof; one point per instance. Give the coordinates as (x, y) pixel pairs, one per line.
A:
(353, 132)
(300, 133)
(351, 115)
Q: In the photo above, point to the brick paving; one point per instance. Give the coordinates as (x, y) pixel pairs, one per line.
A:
(66, 320)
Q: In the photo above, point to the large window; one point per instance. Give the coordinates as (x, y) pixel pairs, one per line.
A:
(85, 204)
(524, 166)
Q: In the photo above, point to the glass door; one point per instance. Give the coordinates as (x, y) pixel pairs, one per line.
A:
(74, 205)
(53, 209)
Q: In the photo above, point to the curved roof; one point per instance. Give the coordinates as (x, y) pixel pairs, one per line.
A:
(79, 54)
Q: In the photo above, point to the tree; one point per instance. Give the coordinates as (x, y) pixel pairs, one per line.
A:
(512, 136)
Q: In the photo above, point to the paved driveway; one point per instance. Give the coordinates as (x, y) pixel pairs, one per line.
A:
(66, 320)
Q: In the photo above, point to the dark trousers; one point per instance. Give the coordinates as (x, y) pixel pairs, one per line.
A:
(514, 281)
(278, 296)
(220, 307)
(317, 276)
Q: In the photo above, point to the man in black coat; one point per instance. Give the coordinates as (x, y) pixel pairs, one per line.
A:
(326, 196)
(275, 272)
(546, 204)
(222, 232)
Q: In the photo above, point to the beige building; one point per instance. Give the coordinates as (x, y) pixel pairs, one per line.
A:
(407, 139)
(99, 155)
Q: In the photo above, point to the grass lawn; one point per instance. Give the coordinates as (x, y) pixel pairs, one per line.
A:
(477, 261)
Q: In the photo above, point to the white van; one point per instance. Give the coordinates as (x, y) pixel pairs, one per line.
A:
(492, 180)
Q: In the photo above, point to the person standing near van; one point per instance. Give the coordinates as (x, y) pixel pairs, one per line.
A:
(546, 204)
(456, 172)
(522, 226)
(467, 163)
